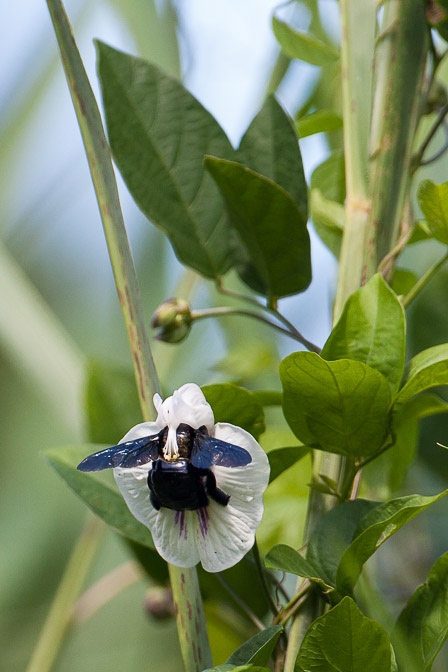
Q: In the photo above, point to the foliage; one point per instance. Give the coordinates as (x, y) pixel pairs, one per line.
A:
(236, 218)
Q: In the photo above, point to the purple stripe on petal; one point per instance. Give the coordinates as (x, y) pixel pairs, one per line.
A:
(203, 519)
(180, 515)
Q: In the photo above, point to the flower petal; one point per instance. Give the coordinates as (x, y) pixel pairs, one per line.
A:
(141, 430)
(172, 531)
(224, 534)
(187, 405)
(174, 537)
(242, 483)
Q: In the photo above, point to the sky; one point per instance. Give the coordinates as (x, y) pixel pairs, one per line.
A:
(227, 49)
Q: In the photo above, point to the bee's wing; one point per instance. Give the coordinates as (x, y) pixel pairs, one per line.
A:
(127, 455)
(208, 451)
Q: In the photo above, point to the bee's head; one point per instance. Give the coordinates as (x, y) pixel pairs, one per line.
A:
(178, 444)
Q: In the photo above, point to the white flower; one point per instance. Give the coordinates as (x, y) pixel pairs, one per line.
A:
(217, 535)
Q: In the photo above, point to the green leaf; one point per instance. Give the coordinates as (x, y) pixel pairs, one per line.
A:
(237, 668)
(322, 121)
(403, 281)
(107, 503)
(422, 626)
(112, 402)
(159, 134)
(433, 200)
(420, 232)
(303, 46)
(420, 407)
(341, 407)
(268, 397)
(271, 227)
(333, 535)
(371, 329)
(344, 640)
(345, 538)
(386, 474)
(427, 369)
(328, 220)
(236, 405)
(320, 486)
(329, 178)
(258, 649)
(286, 559)
(270, 147)
(281, 459)
(374, 529)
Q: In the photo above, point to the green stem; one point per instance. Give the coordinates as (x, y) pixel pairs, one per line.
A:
(192, 631)
(400, 64)
(312, 608)
(269, 309)
(358, 21)
(58, 620)
(294, 603)
(347, 485)
(417, 160)
(240, 602)
(423, 281)
(100, 164)
(228, 310)
(190, 619)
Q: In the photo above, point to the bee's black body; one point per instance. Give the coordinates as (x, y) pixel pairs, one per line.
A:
(184, 482)
(180, 486)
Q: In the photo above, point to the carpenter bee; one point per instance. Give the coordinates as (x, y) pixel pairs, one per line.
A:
(179, 479)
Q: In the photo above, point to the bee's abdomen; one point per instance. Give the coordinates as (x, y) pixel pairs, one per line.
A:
(178, 485)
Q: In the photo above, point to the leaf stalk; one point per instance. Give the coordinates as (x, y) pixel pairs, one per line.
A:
(222, 311)
(272, 311)
(423, 281)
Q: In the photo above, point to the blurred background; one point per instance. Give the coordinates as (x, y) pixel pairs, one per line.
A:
(59, 311)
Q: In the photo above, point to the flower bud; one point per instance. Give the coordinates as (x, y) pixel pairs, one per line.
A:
(159, 603)
(173, 317)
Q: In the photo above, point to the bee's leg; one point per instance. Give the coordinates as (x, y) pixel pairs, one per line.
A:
(218, 495)
(152, 496)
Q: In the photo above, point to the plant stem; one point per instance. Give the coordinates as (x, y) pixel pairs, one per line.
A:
(192, 631)
(423, 281)
(312, 608)
(372, 209)
(240, 602)
(417, 160)
(221, 311)
(190, 618)
(291, 607)
(400, 61)
(100, 164)
(272, 311)
(358, 20)
(58, 619)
